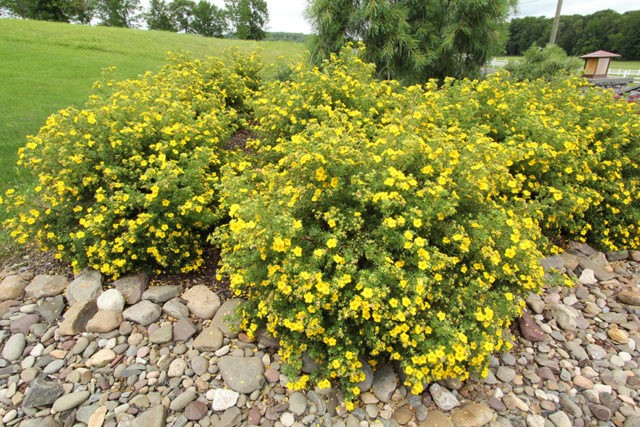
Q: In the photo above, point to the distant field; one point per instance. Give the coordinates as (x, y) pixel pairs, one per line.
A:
(623, 65)
(48, 66)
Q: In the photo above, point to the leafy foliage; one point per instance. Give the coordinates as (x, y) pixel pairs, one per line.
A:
(413, 40)
(544, 63)
(128, 181)
(159, 16)
(578, 35)
(118, 13)
(248, 18)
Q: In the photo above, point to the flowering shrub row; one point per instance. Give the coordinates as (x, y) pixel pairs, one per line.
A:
(367, 221)
(128, 181)
(578, 153)
(383, 222)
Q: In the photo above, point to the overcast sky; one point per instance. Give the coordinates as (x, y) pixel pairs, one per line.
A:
(287, 15)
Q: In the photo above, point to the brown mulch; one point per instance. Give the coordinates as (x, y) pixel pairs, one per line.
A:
(30, 258)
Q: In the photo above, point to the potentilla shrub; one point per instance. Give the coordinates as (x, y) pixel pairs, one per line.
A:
(578, 151)
(378, 240)
(128, 182)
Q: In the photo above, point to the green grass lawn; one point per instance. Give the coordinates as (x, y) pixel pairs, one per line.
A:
(623, 65)
(48, 66)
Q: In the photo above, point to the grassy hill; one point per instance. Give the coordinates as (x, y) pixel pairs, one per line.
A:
(48, 66)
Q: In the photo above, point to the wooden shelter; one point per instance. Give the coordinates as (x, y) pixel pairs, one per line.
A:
(596, 64)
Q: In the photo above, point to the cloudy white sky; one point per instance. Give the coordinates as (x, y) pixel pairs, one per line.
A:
(287, 15)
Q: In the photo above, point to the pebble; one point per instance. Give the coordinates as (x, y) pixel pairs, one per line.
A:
(576, 363)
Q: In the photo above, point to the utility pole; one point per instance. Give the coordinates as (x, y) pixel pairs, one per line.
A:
(556, 22)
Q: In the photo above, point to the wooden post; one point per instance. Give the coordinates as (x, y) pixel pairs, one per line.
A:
(556, 22)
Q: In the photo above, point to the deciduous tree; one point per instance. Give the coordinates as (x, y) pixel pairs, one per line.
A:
(248, 18)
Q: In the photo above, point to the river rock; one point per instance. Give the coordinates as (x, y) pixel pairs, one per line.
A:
(86, 287)
(144, 313)
(154, 417)
(161, 294)
(629, 297)
(196, 410)
(44, 285)
(77, 316)
(182, 400)
(564, 315)
(69, 401)
(51, 309)
(210, 339)
(104, 321)
(443, 397)
(202, 301)
(588, 277)
(184, 329)
(132, 287)
(111, 299)
(101, 358)
(176, 309)
(162, 335)
(42, 393)
(224, 399)
(12, 287)
(226, 319)
(385, 383)
(242, 374)
(529, 328)
(472, 415)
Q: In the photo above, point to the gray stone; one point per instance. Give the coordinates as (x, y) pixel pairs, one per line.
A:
(564, 315)
(560, 419)
(505, 374)
(104, 321)
(598, 263)
(297, 403)
(629, 297)
(153, 417)
(552, 264)
(596, 352)
(144, 313)
(588, 277)
(132, 287)
(14, 347)
(53, 366)
(161, 294)
(184, 329)
(176, 309)
(618, 255)
(230, 417)
(199, 365)
(162, 335)
(535, 421)
(86, 287)
(12, 287)
(176, 368)
(84, 413)
(210, 339)
(23, 323)
(202, 301)
(385, 383)
(366, 384)
(44, 285)
(77, 316)
(224, 399)
(601, 412)
(443, 397)
(242, 374)
(111, 299)
(182, 400)
(70, 401)
(101, 358)
(42, 393)
(51, 309)
(226, 319)
(472, 415)
(576, 350)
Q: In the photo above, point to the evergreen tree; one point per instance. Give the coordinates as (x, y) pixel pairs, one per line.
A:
(413, 40)
(248, 18)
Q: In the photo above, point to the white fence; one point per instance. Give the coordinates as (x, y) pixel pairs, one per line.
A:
(613, 72)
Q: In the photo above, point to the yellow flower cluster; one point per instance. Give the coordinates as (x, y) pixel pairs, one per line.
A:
(127, 182)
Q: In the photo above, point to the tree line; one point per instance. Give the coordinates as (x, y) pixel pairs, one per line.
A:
(578, 34)
(244, 19)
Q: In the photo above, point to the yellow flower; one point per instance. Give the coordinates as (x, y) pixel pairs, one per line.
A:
(332, 243)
